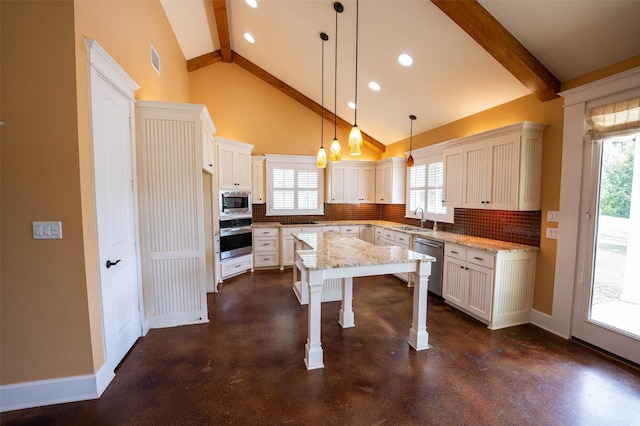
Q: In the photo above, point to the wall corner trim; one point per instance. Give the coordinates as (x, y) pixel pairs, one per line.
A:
(54, 391)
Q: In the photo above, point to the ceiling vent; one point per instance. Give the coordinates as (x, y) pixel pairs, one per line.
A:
(155, 60)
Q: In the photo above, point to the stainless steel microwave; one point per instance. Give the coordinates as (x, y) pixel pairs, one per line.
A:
(234, 204)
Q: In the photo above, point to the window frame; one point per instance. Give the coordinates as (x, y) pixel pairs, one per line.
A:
(296, 163)
(426, 157)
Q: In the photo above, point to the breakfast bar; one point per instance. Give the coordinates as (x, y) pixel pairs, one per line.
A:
(329, 255)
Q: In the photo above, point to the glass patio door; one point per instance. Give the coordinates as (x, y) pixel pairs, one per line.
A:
(607, 302)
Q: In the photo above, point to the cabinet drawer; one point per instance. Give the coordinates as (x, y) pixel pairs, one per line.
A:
(331, 228)
(266, 244)
(480, 258)
(379, 232)
(286, 231)
(265, 259)
(402, 238)
(456, 252)
(389, 235)
(265, 232)
(232, 267)
(350, 229)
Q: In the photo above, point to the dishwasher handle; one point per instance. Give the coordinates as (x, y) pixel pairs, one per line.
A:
(428, 243)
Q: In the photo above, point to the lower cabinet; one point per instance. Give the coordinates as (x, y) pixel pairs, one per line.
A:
(266, 247)
(398, 239)
(236, 265)
(367, 233)
(286, 245)
(496, 289)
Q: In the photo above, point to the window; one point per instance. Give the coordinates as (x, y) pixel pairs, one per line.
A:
(294, 185)
(426, 189)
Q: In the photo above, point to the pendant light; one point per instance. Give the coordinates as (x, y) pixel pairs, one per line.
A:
(321, 159)
(335, 154)
(355, 137)
(410, 157)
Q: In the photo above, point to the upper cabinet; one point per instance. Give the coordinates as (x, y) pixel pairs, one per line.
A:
(500, 169)
(234, 164)
(390, 181)
(257, 179)
(351, 182)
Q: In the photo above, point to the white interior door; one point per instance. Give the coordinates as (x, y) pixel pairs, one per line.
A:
(113, 157)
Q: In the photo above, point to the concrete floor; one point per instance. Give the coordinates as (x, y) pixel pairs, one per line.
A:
(246, 367)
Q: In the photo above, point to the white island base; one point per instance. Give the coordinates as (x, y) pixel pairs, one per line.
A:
(355, 258)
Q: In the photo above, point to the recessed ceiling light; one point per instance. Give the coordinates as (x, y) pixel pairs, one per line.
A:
(351, 105)
(249, 38)
(374, 86)
(252, 3)
(405, 59)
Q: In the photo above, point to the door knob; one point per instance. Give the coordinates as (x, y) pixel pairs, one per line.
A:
(110, 263)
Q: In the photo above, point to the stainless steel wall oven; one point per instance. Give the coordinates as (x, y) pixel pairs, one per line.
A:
(236, 238)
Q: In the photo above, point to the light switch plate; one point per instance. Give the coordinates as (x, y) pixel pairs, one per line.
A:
(552, 233)
(553, 216)
(47, 230)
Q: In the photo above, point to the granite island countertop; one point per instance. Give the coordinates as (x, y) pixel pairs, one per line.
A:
(330, 250)
(479, 243)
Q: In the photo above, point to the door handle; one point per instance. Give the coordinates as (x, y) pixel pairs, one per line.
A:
(110, 263)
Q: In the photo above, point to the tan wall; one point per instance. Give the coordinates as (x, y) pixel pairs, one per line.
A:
(246, 109)
(50, 311)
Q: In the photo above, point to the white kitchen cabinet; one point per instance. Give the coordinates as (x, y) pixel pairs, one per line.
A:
(351, 182)
(170, 144)
(390, 181)
(494, 288)
(257, 180)
(367, 233)
(286, 245)
(266, 247)
(351, 230)
(234, 164)
(398, 239)
(378, 236)
(453, 177)
(208, 152)
(501, 169)
(236, 265)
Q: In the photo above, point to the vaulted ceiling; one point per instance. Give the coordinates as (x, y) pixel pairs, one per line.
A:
(468, 55)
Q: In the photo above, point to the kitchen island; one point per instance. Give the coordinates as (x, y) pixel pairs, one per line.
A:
(328, 255)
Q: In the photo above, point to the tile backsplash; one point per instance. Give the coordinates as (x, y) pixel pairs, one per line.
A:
(514, 227)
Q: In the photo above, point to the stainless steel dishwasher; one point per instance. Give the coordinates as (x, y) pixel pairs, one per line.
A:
(436, 249)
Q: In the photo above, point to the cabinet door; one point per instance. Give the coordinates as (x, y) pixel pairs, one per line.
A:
(368, 185)
(257, 177)
(287, 250)
(479, 291)
(367, 233)
(453, 177)
(475, 176)
(353, 185)
(208, 152)
(503, 170)
(242, 166)
(226, 178)
(455, 278)
(337, 192)
(383, 184)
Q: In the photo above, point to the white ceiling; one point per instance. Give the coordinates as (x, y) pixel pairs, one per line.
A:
(452, 76)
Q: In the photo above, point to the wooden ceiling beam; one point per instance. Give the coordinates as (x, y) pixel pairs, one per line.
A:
(476, 21)
(222, 24)
(302, 99)
(204, 60)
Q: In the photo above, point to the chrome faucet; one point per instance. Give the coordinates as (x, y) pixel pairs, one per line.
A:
(422, 220)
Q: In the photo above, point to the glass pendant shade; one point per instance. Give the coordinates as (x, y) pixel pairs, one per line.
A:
(410, 161)
(355, 141)
(321, 159)
(335, 152)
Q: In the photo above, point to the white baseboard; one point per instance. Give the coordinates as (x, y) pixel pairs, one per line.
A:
(54, 391)
(546, 322)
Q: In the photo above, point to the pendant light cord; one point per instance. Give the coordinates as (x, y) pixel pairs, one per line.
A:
(335, 85)
(322, 36)
(355, 122)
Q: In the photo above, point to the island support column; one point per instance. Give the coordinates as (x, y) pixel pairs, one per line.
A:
(313, 347)
(418, 336)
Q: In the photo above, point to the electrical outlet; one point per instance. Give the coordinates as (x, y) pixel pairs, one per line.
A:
(553, 216)
(552, 233)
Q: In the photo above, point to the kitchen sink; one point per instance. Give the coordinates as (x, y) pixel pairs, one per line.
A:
(407, 228)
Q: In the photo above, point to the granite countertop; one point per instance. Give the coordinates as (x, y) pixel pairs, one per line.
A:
(329, 250)
(478, 243)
